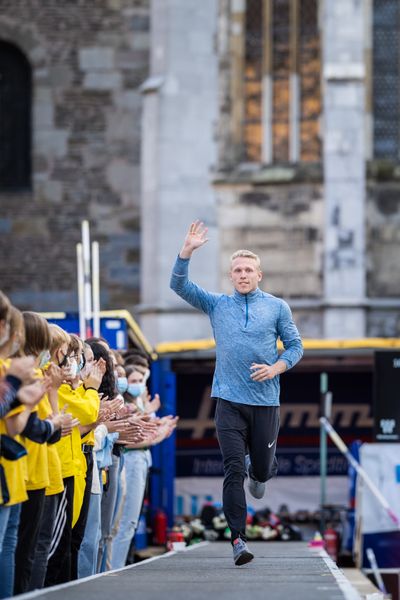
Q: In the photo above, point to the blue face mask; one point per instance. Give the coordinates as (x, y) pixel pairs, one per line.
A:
(136, 389)
(81, 364)
(44, 358)
(122, 385)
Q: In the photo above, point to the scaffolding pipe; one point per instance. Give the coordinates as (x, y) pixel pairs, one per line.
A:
(96, 288)
(81, 293)
(86, 277)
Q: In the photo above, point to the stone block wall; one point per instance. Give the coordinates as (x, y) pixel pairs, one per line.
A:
(383, 251)
(88, 59)
(383, 239)
(281, 223)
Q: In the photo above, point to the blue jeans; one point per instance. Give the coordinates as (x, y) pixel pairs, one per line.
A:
(87, 556)
(7, 556)
(137, 464)
(4, 514)
(108, 503)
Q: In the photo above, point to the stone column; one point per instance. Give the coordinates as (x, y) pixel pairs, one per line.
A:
(344, 168)
(178, 151)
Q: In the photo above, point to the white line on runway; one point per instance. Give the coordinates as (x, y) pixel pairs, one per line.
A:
(350, 593)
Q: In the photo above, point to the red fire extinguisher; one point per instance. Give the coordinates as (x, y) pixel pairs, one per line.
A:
(331, 539)
(160, 527)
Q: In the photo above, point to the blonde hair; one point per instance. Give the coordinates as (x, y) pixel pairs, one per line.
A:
(247, 254)
(58, 337)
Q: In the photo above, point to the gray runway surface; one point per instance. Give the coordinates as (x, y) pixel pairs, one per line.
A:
(280, 571)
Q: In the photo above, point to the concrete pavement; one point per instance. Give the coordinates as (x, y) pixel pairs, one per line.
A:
(280, 571)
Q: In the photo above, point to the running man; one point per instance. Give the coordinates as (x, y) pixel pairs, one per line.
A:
(246, 327)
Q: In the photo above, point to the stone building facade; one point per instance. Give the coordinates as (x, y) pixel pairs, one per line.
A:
(306, 152)
(86, 62)
(276, 122)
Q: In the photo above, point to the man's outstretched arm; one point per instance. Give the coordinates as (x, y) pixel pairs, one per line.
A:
(180, 283)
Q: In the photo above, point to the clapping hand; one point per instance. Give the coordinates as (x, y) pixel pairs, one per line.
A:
(22, 368)
(30, 395)
(96, 374)
(64, 421)
(54, 375)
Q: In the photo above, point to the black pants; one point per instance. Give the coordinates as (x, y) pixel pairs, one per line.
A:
(79, 528)
(241, 430)
(28, 532)
(47, 524)
(59, 563)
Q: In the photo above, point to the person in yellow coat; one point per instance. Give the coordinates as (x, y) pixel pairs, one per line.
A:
(43, 427)
(18, 420)
(83, 404)
(18, 396)
(83, 484)
(59, 344)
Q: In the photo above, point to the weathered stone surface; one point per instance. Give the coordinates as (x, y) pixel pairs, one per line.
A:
(282, 224)
(96, 59)
(77, 140)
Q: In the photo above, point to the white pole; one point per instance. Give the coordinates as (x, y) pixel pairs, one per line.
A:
(86, 276)
(337, 440)
(96, 288)
(81, 293)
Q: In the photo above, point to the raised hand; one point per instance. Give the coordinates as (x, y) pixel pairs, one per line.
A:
(195, 238)
(96, 375)
(153, 405)
(102, 365)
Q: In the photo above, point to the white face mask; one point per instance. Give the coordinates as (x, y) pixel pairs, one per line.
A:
(44, 358)
(72, 370)
(6, 335)
(15, 347)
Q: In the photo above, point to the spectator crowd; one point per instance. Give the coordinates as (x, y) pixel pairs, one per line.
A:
(76, 426)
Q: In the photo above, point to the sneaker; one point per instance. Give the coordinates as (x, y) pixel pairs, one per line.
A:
(256, 488)
(241, 552)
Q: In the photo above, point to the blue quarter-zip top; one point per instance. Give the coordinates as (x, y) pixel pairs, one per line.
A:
(236, 348)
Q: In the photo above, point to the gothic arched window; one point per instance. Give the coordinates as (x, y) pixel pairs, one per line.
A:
(282, 91)
(15, 118)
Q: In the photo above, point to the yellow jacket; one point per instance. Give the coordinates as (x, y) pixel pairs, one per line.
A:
(85, 407)
(15, 471)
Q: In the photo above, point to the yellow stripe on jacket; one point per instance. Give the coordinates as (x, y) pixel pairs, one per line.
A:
(14, 470)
